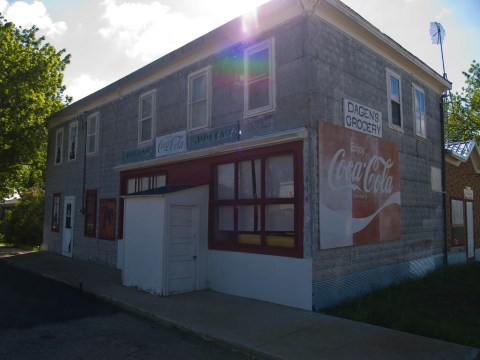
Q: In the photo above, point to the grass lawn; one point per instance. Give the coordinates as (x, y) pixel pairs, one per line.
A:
(444, 305)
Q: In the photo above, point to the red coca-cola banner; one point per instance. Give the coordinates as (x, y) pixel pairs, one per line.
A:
(359, 188)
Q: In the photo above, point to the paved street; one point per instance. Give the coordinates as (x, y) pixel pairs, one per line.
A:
(42, 319)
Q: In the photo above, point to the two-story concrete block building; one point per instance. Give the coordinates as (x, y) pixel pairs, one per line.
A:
(294, 157)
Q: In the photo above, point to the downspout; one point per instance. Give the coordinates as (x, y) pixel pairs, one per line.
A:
(84, 123)
(444, 190)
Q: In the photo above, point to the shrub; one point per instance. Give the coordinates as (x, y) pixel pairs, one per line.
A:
(23, 225)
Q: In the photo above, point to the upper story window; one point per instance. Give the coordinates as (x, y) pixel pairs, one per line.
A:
(420, 118)
(199, 90)
(93, 123)
(72, 141)
(394, 90)
(259, 92)
(146, 117)
(58, 146)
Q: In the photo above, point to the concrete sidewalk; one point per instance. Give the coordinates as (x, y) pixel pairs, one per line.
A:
(257, 328)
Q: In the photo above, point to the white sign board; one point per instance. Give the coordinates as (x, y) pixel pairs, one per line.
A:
(468, 193)
(171, 144)
(361, 118)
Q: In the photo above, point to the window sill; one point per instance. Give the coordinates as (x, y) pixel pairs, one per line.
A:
(396, 128)
(255, 249)
(259, 112)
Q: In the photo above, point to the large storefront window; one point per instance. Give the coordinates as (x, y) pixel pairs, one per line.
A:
(254, 206)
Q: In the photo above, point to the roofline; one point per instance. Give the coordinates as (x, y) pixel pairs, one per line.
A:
(271, 14)
(363, 31)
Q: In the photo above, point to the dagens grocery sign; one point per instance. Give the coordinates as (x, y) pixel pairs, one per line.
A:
(361, 118)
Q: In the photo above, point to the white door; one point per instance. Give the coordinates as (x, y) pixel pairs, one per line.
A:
(68, 220)
(470, 231)
(182, 244)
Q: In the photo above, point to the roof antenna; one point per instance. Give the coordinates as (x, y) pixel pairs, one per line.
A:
(437, 33)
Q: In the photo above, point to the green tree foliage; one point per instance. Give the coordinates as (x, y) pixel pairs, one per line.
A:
(31, 89)
(23, 224)
(463, 110)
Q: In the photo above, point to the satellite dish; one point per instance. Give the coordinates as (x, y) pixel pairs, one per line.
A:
(437, 33)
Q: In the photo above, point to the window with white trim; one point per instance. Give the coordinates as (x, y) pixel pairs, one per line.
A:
(93, 123)
(72, 141)
(419, 109)
(58, 146)
(259, 91)
(146, 117)
(394, 91)
(199, 99)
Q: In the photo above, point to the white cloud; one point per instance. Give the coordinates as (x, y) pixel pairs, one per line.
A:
(84, 85)
(3, 5)
(443, 14)
(27, 15)
(147, 31)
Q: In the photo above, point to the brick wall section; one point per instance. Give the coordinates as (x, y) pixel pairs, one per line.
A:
(457, 179)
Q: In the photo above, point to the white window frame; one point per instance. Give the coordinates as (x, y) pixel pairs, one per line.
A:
(390, 74)
(95, 134)
(140, 119)
(418, 131)
(193, 76)
(58, 147)
(73, 124)
(270, 45)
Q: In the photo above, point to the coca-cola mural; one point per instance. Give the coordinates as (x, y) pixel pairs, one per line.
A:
(359, 188)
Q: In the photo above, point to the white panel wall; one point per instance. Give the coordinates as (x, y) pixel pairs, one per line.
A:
(281, 280)
(143, 256)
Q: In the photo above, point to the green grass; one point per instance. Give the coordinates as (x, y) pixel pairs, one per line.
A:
(444, 305)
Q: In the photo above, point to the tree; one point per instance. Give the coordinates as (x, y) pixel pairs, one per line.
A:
(31, 89)
(463, 110)
(23, 224)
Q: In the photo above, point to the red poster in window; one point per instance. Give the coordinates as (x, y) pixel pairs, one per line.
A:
(107, 219)
(359, 188)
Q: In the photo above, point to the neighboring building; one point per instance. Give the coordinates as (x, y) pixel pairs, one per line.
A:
(295, 158)
(6, 205)
(462, 173)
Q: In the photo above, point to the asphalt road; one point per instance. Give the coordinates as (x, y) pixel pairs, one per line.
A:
(42, 319)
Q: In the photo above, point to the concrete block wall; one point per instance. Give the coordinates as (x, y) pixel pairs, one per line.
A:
(118, 129)
(341, 67)
(317, 66)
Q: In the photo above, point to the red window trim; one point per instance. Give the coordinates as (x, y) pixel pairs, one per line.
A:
(52, 228)
(92, 233)
(296, 149)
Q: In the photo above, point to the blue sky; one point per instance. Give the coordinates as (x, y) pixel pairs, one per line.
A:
(108, 39)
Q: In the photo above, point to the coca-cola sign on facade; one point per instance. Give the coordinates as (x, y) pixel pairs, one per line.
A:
(359, 188)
